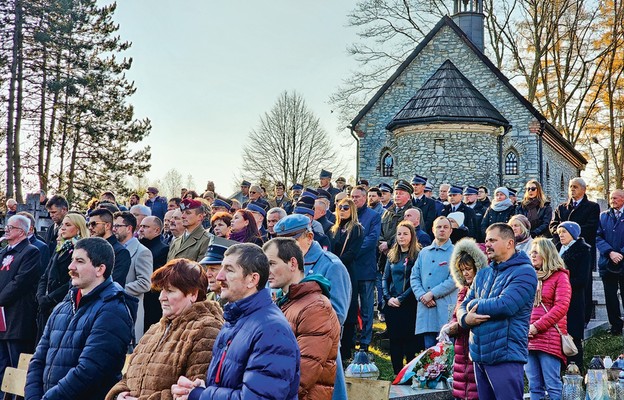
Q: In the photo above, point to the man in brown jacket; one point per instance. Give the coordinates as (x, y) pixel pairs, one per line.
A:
(193, 243)
(305, 304)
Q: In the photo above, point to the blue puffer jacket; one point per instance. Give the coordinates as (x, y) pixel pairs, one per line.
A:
(83, 348)
(255, 356)
(505, 292)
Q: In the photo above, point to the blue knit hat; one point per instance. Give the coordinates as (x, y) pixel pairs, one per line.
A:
(572, 227)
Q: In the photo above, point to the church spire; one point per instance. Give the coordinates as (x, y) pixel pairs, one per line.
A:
(468, 15)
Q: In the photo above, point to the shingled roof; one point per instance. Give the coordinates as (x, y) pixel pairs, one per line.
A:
(448, 96)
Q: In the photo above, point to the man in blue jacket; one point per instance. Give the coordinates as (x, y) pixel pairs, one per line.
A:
(366, 263)
(497, 310)
(86, 339)
(255, 354)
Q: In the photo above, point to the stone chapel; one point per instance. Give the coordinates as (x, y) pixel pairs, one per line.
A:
(449, 114)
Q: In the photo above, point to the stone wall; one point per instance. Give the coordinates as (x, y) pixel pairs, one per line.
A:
(468, 158)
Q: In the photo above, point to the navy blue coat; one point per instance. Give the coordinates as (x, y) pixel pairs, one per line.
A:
(255, 355)
(83, 348)
(43, 251)
(158, 205)
(610, 237)
(122, 261)
(366, 261)
(505, 292)
(19, 275)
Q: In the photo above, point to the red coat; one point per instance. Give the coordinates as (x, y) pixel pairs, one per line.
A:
(464, 384)
(556, 293)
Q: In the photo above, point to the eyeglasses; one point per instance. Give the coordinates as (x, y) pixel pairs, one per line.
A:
(93, 224)
(252, 192)
(531, 189)
(344, 208)
(9, 228)
(117, 226)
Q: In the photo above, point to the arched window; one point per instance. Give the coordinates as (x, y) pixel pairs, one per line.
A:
(511, 163)
(387, 164)
(562, 187)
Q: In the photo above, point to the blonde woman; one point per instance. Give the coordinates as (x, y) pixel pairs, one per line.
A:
(550, 308)
(521, 229)
(54, 283)
(536, 207)
(346, 237)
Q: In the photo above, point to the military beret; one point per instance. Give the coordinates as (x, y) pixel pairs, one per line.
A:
(456, 189)
(325, 174)
(292, 225)
(471, 190)
(404, 185)
(419, 180)
(190, 204)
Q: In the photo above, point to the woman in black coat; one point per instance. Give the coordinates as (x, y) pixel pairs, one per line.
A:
(576, 256)
(536, 208)
(501, 209)
(54, 283)
(346, 237)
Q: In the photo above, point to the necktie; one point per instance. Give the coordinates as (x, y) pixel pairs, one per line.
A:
(617, 214)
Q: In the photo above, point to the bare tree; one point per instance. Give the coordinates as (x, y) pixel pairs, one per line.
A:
(171, 183)
(289, 144)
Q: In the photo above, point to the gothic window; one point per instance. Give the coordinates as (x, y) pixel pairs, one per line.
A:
(387, 164)
(511, 163)
(562, 185)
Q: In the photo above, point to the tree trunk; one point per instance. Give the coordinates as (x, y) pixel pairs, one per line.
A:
(17, 157)
(10, 192)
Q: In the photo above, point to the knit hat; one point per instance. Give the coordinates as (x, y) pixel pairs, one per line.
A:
(457, 217)
(572, 227)
(503, 190)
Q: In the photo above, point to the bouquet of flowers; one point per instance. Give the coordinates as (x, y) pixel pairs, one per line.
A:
(430, 366)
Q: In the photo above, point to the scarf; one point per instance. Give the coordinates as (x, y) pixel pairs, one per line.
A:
(565, 247)
(522, 237)
(541, 277)
(67, 244)
(501, 205)
(239, 236)
(533, 208)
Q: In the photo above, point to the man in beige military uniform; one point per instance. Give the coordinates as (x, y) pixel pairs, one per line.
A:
(194, 241)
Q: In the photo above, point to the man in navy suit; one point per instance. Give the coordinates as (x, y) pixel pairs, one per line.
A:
(37, 242)
(19, 274)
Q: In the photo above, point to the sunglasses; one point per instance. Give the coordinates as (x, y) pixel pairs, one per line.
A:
(252, 192)
(344, 208)
(93, 224)
(531, 189)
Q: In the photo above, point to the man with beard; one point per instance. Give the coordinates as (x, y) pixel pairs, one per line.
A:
(138, 280)
(374, 200)
(150, 236)
(101, 225)
(194, 241)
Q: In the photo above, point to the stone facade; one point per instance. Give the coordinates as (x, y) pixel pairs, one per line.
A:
(457, 153)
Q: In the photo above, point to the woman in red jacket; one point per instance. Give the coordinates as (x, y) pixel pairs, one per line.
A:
(550, 308)
(466, 261)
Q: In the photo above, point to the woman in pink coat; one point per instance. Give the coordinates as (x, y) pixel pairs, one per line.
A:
(466, 261)
(550, 307)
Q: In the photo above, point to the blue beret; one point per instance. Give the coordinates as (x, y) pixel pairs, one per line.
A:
(221, 203)
(292, 225)
(471, 190)
(456, 189)
(419, 180)
(325, 174)
(296, 186)
(253, 207)
(404, 185)
(384, 187)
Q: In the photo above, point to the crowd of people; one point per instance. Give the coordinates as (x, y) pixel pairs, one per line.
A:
(267, 296)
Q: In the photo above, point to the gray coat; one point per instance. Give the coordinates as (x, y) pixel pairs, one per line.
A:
(138, 280)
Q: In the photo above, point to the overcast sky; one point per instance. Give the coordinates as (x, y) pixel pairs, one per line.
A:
(207, 70)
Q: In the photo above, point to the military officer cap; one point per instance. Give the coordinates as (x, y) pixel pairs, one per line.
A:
(309, 192)
(296, 186)
(456, 189)
(419, 180)
(323, 194)
(253, 207)
(221, 203)
(428, 187)
(384, 187)
(404, 185)
(468, 190)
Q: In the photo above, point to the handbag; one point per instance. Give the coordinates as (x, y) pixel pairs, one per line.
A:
(567, 342)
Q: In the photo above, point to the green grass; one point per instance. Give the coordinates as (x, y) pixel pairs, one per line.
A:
(602, 344)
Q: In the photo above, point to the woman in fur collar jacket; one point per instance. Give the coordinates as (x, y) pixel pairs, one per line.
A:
(466, 261)
(181, 343)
